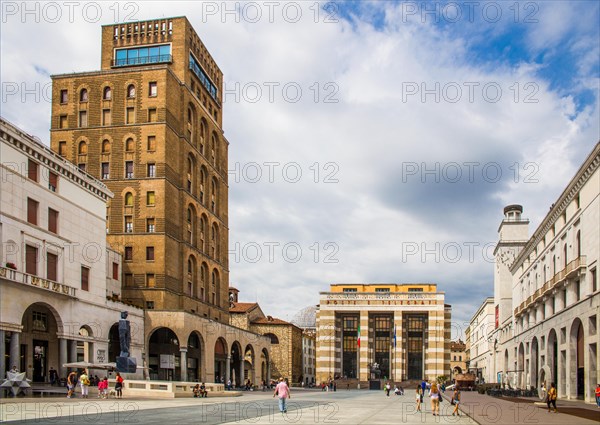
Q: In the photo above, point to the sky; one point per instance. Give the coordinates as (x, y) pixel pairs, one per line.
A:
(370, 142)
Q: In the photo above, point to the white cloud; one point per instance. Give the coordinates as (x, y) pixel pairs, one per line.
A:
(368, 134)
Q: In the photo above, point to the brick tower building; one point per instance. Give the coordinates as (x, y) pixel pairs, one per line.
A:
(149, 125)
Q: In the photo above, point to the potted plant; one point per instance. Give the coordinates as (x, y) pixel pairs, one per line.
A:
(10, 265)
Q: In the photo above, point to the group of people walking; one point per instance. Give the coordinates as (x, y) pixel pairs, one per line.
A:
(85, 382)
(435, 396)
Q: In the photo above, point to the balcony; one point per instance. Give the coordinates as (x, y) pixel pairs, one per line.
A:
(29, 279)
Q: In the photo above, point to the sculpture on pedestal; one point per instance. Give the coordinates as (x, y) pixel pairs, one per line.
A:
(125, 363)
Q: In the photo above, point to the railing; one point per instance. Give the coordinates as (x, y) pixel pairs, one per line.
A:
(569, 271)
(143, 60)
(29, 279)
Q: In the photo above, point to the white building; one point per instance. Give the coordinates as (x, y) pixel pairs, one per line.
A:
(309, 356)
(546, 295)
(480, 331)
(59, 282)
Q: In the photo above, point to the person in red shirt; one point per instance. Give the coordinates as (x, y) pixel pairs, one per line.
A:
(119, 385)
(598, 395)
(283, 392)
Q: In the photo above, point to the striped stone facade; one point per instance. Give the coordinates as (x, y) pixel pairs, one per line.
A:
(409, 314)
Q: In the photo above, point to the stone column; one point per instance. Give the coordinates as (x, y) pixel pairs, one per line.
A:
(62, 357)
(241, 367)
(397, 361)
(364, 373)
(72, 351)
(183, 363)
(15, 351)
(228, 369)
(2, 354)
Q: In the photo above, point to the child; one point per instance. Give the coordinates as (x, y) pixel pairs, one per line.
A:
(103, 388)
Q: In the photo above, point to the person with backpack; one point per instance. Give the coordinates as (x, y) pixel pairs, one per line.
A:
(84, 380)
(119, 386)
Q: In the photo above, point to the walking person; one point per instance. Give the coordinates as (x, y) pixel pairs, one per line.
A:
(53, 376)
(456, 401)
(84, 379)
(419, 398)
(434, 395)
(119, 385)
(71, 382)
(283, 392)
(388, 387)
(598, 395)
(552, 395)
(103, 388)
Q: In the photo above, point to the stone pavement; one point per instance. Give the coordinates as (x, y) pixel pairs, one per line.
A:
(305, 407)
(498, 410)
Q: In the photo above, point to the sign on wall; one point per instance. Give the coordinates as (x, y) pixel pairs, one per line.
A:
(167, 361)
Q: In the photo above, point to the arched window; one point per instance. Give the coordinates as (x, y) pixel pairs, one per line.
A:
(213, 150)
(131, 91)
(129, 145)
(203, 222)
(190, 227)
(105, 146)
(83, 149)
(578, 244)
(83, 95)
(274, 339)
(190, 124)
(214, 238)
(190, 174)
(190, 277)
(202, 135)
(202, 183)
(213, 195)
(107, 93)
(129, 199)
(215, 287)
(203, 281)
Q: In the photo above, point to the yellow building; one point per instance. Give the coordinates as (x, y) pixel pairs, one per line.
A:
(148, 124)
(368, 332)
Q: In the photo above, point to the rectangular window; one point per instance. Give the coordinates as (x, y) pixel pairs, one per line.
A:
(64, 96)
(128, 253)
(32, 211)
(32, 170)
(51, 267)
(130, 116)
(129, 169)
(415, 289)
(62, 148)
(106, 118)
(128, 279)
(149, 305)
(349, 289)
(150, 225)
(152, 89)
(128, 224)
(151, 143)
(52, 181)
(149, 253)
(52, 220)
(594, 281)
(150, 282)
(40, 321)
(82, 166)
(143, 55)
(105, 170)
(150, 199)
(115, 271)
(85, 278)
(577, 290)
(62, 121)
(152, 115)
(83, 121)
(151, 170)
(31, 260)
(382, 289)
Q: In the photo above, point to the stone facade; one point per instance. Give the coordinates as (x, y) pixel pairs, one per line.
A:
(59, 282)
(479, 337)
(458, 358)
(357, 325)
(547, 296)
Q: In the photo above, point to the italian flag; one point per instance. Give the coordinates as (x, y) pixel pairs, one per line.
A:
(358, 336)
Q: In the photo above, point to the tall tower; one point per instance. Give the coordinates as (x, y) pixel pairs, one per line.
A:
(148, 124)
(514, 233)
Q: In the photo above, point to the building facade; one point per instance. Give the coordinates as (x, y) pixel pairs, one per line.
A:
(285, 356)
(458, 358)
(60, 284)
(382, 331)
(148, 124)
(309, 356)
(547, 298)
(480, 332)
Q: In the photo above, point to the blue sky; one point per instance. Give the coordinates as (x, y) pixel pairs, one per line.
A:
(366, 124)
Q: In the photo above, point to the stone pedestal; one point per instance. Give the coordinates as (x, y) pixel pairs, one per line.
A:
(126, 365)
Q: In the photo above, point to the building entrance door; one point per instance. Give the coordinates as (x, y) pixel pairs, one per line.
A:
(40, 349)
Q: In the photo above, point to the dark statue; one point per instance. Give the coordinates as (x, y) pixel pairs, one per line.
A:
(125, 363)
(124, 334)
